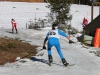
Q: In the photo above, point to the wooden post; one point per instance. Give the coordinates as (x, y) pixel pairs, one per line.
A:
(94, 3)
(99, 9)
(92, 12)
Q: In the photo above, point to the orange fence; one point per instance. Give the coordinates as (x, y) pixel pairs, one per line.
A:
(97, 38)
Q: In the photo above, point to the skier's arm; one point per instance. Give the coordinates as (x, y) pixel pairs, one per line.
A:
(70, 41)
(65, 35)
(68, 37)
(11, 22)
(45, 40)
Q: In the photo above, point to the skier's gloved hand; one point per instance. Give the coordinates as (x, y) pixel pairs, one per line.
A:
(44, 47)
(70, 41)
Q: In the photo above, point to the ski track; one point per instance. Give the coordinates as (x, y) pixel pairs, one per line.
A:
(81, 58)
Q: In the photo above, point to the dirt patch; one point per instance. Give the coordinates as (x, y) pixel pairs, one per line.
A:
(10, 49)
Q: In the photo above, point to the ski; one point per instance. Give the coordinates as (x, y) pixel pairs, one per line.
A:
(50, 64)
(70, 65)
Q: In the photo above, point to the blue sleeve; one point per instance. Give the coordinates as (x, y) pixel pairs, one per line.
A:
(62, 33)
(46, 38)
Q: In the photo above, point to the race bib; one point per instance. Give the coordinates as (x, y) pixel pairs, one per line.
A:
(54, 33)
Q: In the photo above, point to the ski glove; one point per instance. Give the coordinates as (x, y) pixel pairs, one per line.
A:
(44, 47)
(70, 41)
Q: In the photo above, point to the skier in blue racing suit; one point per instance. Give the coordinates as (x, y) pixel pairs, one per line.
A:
(53, 40)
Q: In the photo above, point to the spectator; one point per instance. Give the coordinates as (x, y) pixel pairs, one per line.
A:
(14, 25)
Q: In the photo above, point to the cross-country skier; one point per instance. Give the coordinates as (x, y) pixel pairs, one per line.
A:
(53, 40)
(14, 25)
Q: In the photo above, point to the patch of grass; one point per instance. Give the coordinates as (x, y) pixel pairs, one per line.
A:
(10, 49)
(10, 45)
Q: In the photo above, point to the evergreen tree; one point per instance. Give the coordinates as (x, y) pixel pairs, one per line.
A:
(61, 10)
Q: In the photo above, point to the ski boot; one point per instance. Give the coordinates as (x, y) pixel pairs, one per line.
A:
(50, 59)
(16, 32)
(64, 62)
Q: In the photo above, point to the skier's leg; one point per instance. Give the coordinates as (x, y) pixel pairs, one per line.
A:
(50, 55)
(12, 29)
(49, 51)
(59, 50)
(50, 58)
(16, 29)
(61, 55)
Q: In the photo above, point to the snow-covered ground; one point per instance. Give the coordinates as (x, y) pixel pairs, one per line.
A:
(86, 63)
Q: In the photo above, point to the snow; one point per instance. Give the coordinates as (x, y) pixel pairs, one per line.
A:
(86, 63)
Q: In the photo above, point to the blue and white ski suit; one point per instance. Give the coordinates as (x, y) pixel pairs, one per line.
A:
(53, 40)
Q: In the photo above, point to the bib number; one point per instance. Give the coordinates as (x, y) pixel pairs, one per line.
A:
(52, 33)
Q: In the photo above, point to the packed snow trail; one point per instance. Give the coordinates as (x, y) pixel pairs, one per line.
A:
(85, 63)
